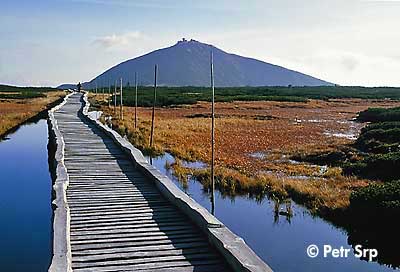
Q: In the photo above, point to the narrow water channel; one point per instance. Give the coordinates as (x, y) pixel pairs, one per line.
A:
(25, 200)
(280, 241)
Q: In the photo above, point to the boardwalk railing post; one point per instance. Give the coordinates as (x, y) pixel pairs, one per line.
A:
(154, 105)
(212, 134)
(121, 113)
(136, 84)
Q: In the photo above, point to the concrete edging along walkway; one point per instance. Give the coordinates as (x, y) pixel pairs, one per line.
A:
(61, 260)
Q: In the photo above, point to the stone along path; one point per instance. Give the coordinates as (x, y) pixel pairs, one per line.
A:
(119, 220)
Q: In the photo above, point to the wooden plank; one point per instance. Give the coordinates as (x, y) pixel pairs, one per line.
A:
(140, 254)
(132, 235)
(130, 239)
(90, 252)
(129, 226)
(131, 229)
(126, 221)
(153, 262)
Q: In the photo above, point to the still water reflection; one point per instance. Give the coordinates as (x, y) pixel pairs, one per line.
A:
(280, 240)
(25, 200)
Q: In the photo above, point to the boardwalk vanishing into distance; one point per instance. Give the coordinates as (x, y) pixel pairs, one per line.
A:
(117, 214)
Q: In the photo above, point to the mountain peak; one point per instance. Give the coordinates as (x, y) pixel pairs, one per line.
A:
(191, 43)
(185, 41)
(187, 64)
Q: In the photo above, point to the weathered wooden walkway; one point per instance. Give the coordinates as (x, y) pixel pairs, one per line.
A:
(118, 219)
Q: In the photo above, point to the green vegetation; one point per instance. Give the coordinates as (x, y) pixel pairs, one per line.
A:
(380, 142)
(378, 199)
(380, 138)
(385, 167)
(168, 96)
(330, 158)
(379, 115)
(13, 92)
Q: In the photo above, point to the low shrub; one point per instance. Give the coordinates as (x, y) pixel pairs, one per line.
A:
(377, 199)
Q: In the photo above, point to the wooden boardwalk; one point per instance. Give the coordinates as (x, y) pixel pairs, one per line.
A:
(119, 221)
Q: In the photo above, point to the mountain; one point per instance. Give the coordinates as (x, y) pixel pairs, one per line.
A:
(187, 63)
(67, 86)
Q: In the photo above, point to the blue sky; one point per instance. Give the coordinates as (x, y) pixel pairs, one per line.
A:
(48, 42)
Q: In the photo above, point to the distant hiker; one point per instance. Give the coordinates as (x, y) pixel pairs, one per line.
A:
(79, 86)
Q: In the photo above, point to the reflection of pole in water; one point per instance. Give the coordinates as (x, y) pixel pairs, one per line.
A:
(289, 210)
(212, 135)
(278, 211)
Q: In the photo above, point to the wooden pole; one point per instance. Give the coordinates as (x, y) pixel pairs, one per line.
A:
(109, 93)
(154, 105)
(212, 134)
(136, 84)
(115, 97)
(102, 88)
(121, 110)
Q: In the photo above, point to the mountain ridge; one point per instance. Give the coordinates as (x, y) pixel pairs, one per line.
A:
(187, 63)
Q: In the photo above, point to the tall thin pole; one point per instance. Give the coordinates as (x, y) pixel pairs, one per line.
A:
(136, 83)
(154, 105)
(212, 134)
(96, 86)
(109, 93)
(115, 97)
(102, 88)
(121, 113)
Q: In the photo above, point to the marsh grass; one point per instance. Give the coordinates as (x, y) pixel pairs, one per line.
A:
(15, 111)
(238, 136)
(320, 196)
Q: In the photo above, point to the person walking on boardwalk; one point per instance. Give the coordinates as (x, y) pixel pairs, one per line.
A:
(79, 86)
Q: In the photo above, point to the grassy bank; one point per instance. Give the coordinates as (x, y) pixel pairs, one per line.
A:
(17, 104)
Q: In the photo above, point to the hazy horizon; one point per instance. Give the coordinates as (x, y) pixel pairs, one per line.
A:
(47, 43)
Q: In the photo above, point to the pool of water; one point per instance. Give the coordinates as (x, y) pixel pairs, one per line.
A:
(25, 200)
(279, 240)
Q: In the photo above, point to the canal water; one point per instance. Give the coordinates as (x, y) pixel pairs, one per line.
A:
(25, 200)
(279, 240)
